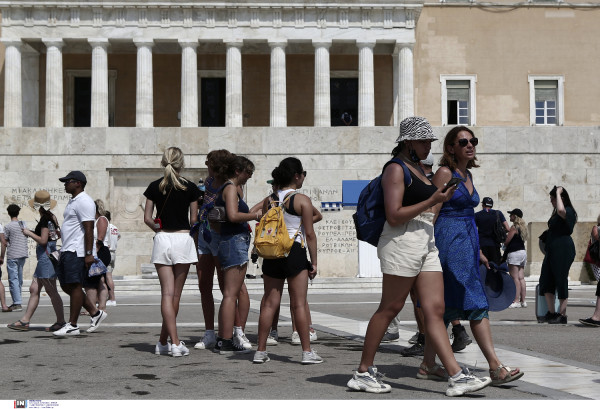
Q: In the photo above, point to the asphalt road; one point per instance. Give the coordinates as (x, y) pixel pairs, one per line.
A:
(118, 361)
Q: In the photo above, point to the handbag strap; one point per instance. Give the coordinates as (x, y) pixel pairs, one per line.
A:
(165, 203)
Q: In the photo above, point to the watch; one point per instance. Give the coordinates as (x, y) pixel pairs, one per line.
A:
(88, 252)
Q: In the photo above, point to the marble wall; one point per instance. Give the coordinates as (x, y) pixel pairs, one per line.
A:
(519, 166)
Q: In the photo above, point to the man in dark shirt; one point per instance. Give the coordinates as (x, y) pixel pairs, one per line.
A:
(485, 221)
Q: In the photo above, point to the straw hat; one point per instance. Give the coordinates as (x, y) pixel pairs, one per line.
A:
(41, 199)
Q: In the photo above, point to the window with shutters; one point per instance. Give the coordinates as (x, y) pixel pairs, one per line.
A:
(458, 99)
(546, 100)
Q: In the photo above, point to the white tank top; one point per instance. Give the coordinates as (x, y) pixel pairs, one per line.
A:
(292, 222)
(106, 240)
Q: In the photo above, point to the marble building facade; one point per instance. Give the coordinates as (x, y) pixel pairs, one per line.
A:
(146, 62)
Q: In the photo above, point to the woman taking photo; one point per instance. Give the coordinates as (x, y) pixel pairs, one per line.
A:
(408, 256)
(516, 256)
(45, 235)
(458, 242)
(295, 268)
(560, 253)
(233, 237)
(175, 199)
(216, 163)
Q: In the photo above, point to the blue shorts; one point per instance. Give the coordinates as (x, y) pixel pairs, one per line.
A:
(204, 247)
(71, 269)
(232, 249)
(453, 314)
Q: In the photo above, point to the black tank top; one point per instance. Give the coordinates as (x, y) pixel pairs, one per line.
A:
(516, 243)
(418, 191)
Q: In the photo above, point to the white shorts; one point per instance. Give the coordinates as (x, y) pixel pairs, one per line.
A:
(173, 248)
(517, 258)
(409, 248)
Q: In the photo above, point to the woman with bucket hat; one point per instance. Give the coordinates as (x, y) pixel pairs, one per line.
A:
(409, 257)
(45, 234)
(516, 256)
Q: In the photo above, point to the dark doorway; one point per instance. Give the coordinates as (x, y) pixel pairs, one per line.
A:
(212, 102)
(82, 109)
(344, 101)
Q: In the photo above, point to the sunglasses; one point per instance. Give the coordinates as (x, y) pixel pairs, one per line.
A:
(464, 142)
(304, 173)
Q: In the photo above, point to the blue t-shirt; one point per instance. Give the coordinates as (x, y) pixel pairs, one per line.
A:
(485, 221)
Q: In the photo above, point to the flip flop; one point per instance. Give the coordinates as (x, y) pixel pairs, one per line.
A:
(7, 310)
(23, 327)
(511, 375)
(55, 327)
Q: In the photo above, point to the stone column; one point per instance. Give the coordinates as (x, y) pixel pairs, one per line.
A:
(189, 83)
(278, 84)
(404, 81)
(54, 83)
(233, 84)
(366, 84)
(13, 89)
(144, 94)
(99, 114)
(322, 84)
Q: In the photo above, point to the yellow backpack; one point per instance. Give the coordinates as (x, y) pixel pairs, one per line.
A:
(271, 238)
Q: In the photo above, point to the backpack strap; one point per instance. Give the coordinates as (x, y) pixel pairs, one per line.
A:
(407, 177)
(285, 200)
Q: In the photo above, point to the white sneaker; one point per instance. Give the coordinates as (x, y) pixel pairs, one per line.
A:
(524, 304)
(67, 330)
(110, 303)
(208, 341)
(515, 305)
(179, 350)
(95, 321)
(260, 357)
(311, 357)
(466, 383)
(273, 338)
(313, 335)
(239, 341)
(295, 338)
(161, 349)
(368, 382)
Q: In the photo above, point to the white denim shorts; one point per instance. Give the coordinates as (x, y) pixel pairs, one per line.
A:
(517, 258)
(409, 248)
(173, 248)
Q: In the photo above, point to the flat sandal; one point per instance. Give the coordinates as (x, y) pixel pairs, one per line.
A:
(511, 375)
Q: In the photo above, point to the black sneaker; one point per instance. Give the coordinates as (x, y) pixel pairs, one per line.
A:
(417, 349)
(226, 346)
(461, 338)
(558, 319)
(590, 322)
(549, 315)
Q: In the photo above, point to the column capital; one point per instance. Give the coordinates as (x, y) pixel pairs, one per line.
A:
(53, 42)
(143, 42)
(99, 42)
(188, 42)
(14, 42)
(366, 43)
(234, 42)
(278, 43)
(321, 43)
(399, 46)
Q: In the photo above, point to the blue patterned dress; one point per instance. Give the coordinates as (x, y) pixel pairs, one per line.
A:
(458, 243)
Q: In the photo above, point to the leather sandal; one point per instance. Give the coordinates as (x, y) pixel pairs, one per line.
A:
(432, 374)
(511, 375)
(19, 325)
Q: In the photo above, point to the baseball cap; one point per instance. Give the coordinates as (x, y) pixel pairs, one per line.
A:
(74, 174)
(517, 212)
(487, 201)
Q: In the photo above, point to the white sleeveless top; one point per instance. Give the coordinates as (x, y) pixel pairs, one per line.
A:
(292, 222)
(106, 240)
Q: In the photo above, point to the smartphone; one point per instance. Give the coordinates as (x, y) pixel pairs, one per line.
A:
(21, 224)
(452, 182)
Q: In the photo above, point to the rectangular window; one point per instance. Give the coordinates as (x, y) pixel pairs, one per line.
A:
(344, 101)
(458, 99)
(546, 95)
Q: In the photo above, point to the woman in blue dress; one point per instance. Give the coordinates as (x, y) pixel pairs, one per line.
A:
(458, 243)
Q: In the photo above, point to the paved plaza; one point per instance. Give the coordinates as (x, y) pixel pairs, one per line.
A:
(118, 362)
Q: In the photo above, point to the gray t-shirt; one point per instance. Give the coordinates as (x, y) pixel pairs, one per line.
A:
(17, 241)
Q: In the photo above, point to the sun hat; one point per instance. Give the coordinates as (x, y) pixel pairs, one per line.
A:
(41, 198)
(498, 285)
(415, 128)
(517, 212)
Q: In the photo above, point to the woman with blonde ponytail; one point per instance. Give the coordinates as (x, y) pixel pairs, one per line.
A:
(174, 249)
(516, 255)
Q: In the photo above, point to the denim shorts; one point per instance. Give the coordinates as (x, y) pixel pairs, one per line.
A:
(44, 268)
(232, 249)
(205, 247)
(71, 269)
